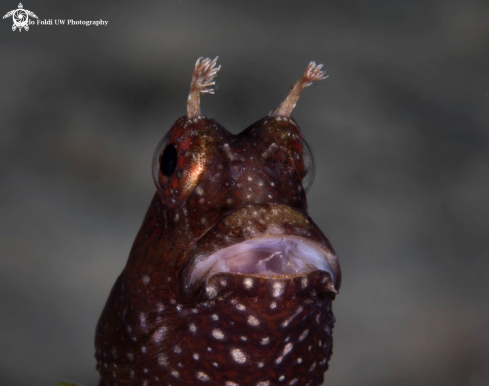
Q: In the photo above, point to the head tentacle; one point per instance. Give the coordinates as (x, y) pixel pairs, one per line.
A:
(204, 72)
(313, 73)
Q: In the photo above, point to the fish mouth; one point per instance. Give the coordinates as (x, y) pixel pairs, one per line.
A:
(272, 257)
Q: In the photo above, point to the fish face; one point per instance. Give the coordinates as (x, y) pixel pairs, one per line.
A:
(229, 281)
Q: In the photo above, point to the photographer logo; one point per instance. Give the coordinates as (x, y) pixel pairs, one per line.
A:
(20, 16)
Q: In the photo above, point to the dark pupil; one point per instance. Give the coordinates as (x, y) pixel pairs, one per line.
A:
(168, 161)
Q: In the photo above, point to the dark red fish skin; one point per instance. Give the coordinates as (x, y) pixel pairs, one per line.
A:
(226, 189)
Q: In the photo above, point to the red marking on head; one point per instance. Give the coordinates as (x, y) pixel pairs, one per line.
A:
(184, 145)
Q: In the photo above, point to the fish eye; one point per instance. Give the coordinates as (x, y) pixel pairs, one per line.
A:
(177, 166)
(309, 167)
(168, 160)
(162, 163)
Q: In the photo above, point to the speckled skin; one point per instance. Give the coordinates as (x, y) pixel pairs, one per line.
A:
(244, 330)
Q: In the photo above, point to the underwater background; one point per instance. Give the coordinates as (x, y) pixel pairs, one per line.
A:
(399, 130)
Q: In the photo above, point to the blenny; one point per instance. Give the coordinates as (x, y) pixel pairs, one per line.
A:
(229, 281)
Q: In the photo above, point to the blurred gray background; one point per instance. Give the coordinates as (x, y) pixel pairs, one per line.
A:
(399, 130)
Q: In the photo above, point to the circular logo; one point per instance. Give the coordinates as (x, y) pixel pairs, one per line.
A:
(21, 18)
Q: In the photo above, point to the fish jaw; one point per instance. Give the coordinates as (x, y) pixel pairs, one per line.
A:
(256, 331)
(273, 241)
(258, 304)
(273, 257)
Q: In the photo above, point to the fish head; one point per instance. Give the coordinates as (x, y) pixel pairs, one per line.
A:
(243, 198)
(229, 281)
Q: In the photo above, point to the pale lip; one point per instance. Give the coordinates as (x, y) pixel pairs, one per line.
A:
(273, 257)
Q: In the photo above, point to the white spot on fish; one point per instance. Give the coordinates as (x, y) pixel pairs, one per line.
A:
(265, 341)
(278, 289)
(311, 369)
(202, 376)
(175, 373)
(230, 383)
(252, 321)
(143, 349)
(211, 291)
(287, 349)
(218, 334)
(248, 282)
(238, 355)
(145, 279)
(293, 381)
(273, 305)
(281, 378)
(240, 307)
(297, 312)
(159, 334)
(266, 383)
(196, 356)
(215, 317)
(163, 360)
(142, 319)
(303, 335)
(130, 356)
(260, 365)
